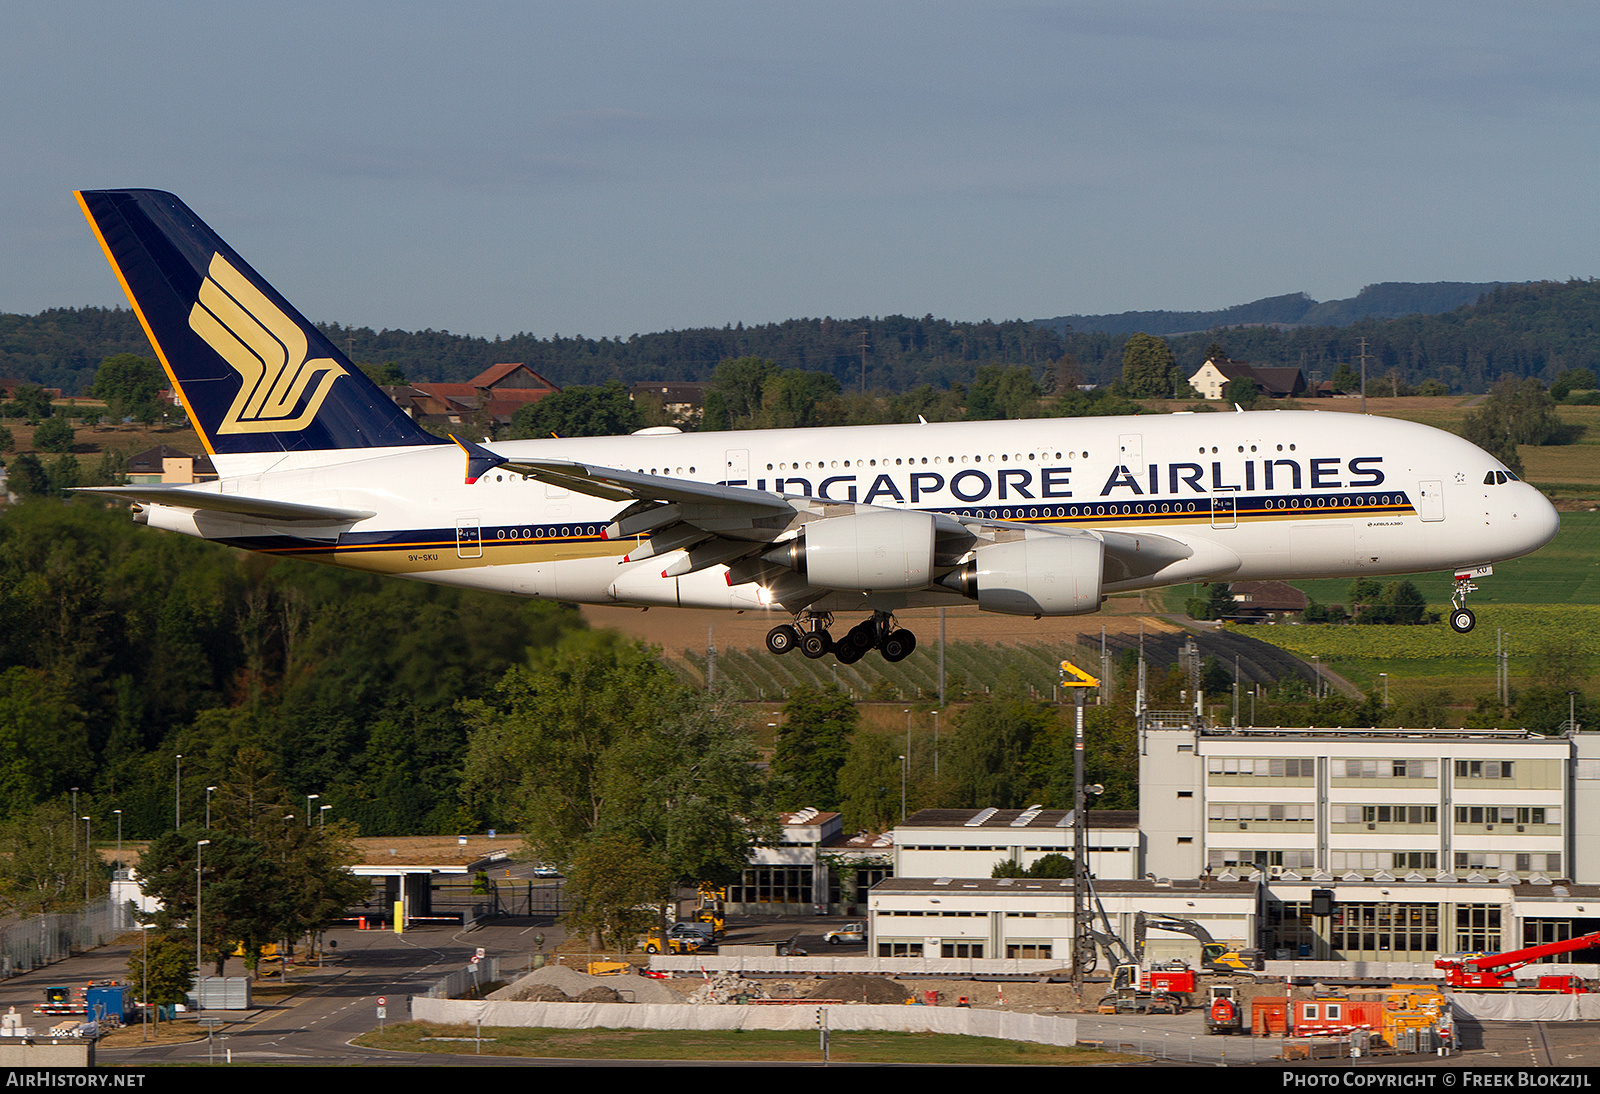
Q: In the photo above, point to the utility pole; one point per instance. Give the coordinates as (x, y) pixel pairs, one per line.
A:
(1363, 375)
(1082, 943)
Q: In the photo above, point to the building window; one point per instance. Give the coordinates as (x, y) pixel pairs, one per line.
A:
(773, 885)
(899, 949)
(961, 949)
(1478, 928)
(1484, 769)
(1043, 950)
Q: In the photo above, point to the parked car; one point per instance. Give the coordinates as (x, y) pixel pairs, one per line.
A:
(702, 933)
(850, 932)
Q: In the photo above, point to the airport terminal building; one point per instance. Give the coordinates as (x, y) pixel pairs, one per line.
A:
(1430, 841)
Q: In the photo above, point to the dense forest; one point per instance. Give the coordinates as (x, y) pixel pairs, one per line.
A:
(1537, 330)
(1389, 300)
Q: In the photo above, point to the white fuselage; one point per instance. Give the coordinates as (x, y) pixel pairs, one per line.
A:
(1255, 495)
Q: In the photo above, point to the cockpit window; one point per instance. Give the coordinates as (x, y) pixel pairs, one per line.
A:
(1488, 478)
(1495, 478)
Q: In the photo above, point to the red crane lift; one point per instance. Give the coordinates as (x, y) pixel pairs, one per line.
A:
(1498, 970)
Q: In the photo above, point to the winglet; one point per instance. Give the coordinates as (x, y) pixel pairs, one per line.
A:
(480, 461)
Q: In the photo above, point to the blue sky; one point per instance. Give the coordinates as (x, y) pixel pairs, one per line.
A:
(611, 168)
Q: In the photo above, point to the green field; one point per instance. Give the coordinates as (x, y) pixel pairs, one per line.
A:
(1567, 571)
(1551, 596)
(854, 1047)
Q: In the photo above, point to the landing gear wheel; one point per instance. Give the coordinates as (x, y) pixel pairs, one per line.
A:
(1462, 620)
(815, 644)
(848, 653)
(782, 639)
(897, 646)
(862, 636)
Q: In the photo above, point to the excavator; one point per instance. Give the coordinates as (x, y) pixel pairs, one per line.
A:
(1214, 956)
(1498, 970)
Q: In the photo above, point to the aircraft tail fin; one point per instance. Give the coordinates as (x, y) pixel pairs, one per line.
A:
(253, 374)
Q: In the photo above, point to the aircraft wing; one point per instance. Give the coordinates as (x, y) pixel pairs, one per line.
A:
(235, 504)
(732, 525)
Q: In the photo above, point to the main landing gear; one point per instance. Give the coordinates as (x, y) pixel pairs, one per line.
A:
(877, 633)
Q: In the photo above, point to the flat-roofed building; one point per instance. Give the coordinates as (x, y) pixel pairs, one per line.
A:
(971, 842)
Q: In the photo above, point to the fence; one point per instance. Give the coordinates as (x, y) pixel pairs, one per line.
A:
(45, 939)
(462, 982)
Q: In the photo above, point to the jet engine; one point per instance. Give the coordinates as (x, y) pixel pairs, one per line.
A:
(873, 550)
(1038, 575)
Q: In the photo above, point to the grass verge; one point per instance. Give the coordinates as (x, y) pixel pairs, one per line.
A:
(800, 1047)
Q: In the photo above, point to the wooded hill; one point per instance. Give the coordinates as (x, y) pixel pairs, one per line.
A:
(1537, 330)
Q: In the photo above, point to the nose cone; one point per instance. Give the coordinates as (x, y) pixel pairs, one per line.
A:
(1534, 519)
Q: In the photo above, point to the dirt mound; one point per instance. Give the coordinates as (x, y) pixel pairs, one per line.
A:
(599, 994)
(861, 989)
(524, 992)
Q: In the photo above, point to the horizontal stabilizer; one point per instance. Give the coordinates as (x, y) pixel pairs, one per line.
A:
(239, 505)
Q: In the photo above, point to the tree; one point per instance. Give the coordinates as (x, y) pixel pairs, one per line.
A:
(162, 968)
(792, 399)
(617, 884)
(130, 385)
(1000, 392)
(1515, 412)
(1573, 379)
(46, 863)
(53, 435)
(1001, 752)
(869, 783)
(241, 901)
(813, 744)
(1241, 390)
(388, 374)
(739, 383)
(30, 401)
(580, 412)
(1149, 370)
(597, 742)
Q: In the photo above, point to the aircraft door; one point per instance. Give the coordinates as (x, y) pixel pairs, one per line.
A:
(1430, 499)
(469, 538)
(1224, 510)
(1131, 452)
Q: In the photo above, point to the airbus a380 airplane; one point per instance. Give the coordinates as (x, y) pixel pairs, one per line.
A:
(1039, 517)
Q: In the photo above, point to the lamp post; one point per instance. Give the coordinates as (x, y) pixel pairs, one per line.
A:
(1385, 676)
(309, 799)
(322, 815)
(118, 812)
(209, 791)
(902, 789)
(177, 795)
(198, 888)
(88, 849)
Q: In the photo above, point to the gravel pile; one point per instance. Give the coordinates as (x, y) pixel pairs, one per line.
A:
(559, 984)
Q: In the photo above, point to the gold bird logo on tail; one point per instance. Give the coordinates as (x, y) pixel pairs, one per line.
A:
(268, 351)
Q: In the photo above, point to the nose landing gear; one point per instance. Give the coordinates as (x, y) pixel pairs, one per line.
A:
(1461, 618)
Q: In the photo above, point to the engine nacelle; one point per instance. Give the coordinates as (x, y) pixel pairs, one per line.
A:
(1039, 575)
(874, 550)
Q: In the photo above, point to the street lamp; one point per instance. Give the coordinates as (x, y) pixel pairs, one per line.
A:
(309, 799)
(1385, 676)
(322, 815)
(197, 892)
(177, 795)
(209, 791)
(118, 812)
(903, 766)
(88, 849)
